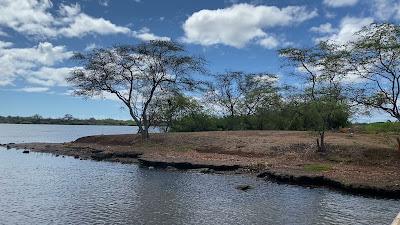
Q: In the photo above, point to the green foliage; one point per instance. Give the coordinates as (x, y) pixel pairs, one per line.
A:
(66, 120)
(195, 122)
(317, 167)
(289, 116)
(374, 128)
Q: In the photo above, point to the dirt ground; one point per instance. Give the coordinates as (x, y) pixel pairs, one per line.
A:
(367, 160)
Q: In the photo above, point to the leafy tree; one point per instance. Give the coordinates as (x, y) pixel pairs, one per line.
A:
(240, 93)
(375, 59)
(323, 67)
(170, 107)
(195, 121)
(136, 75)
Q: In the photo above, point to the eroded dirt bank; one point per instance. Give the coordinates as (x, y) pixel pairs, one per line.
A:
(359, 163)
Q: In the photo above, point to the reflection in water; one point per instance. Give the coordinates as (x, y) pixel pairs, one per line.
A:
(42, 189)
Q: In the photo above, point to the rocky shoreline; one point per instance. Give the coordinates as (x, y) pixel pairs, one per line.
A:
(94, 149)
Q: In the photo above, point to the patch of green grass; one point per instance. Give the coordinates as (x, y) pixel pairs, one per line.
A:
(181, 148)
(317, 167)
(387, 127)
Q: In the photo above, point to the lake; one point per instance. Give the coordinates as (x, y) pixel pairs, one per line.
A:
(39, 188)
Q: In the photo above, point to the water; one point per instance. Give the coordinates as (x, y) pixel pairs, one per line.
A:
(27, 133)
(39, 188)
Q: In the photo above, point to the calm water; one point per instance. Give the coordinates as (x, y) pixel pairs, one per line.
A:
(39, 188)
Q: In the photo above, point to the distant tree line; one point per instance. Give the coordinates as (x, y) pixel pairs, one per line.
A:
(162, 85)
(68, 119)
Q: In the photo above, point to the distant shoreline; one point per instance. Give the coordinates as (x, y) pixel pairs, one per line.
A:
(70, 124)
(66, 120)
(365, 164)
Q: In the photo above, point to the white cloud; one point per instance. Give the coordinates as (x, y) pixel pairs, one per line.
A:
(340, 3)
(80, 24)
(325, 28)
(144, 34)
(239, 24)
(48, 76)
(33, 89)
(21, 62)
(33, 17)
(5, 44)
(386, 9)
(348, 26)
(269, 42)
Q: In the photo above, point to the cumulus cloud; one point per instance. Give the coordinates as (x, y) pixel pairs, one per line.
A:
(48, 76)
(269, 42)
(340, 3)
(33, 17)
(241, 23)
(386, 9)
(144, 34)
(325, 28)
(80, 24)
(345, 32)
(23, 62)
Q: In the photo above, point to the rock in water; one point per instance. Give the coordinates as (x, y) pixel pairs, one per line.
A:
(25, 152)
(244, 187)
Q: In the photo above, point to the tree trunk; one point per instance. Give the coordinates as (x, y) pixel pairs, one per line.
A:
(398, 143)
(145, 131)
(321, 142)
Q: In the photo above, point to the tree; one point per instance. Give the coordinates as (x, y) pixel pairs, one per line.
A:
(259, 90)
(240, 93)
(225, 93)
(136, 75)
(375, 61)
(68, 117)
(323, 67)
(170, 107)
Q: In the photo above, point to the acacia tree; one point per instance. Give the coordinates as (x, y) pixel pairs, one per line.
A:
(225, 92)
(323, 68)
(240, 93)
(170, 107)
(258, 90)
(375, 58)
(136, 75)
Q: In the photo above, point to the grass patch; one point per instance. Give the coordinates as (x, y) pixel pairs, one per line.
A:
(375, 128)
(317, 167)
(181, 148)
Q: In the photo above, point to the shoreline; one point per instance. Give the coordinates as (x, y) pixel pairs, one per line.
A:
(344, 177)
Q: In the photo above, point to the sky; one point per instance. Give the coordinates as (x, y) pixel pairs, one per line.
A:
(38, 37)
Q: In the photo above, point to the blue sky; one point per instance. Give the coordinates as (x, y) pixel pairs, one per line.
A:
(37, 37)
